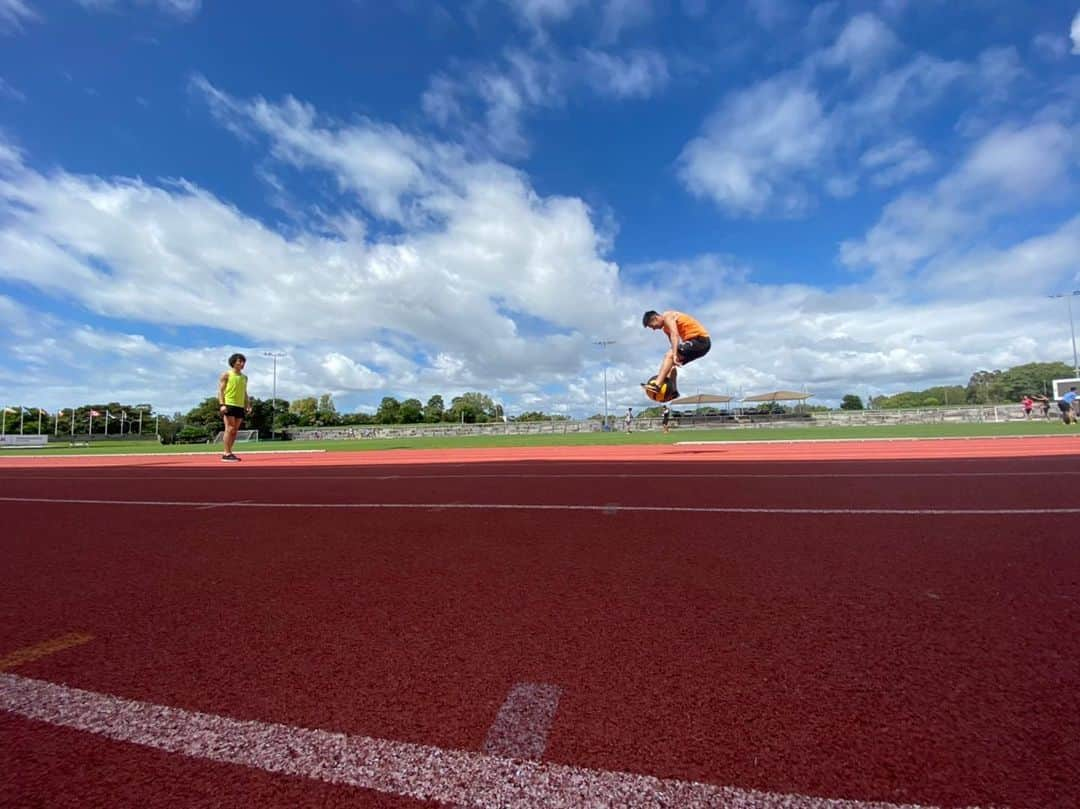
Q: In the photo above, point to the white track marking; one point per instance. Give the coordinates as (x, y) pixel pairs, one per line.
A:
(521, 728)
(397, 768)
(609, 508)
(165, 455)
(300, 476)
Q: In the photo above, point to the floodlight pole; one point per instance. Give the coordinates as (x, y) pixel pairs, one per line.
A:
(1072, 329)
(273, 402)
(604, 343)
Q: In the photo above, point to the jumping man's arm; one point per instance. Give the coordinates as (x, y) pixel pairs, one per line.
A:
(673, 330)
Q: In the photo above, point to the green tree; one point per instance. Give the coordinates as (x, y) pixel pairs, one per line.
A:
(205, 418)
(471, 408)
(358, 418)
(326, 412)
(1033, 378)
(851, 402)
(434, 409)
(306, 411)
(531, 415)
(193, 434)
(411, 411)
(389, 411)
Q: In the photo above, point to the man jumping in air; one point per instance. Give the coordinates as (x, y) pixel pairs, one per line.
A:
(689, 340)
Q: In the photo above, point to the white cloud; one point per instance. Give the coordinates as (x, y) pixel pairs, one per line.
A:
(638, 74)
(865, 43)
(486, 271)
(538, 14)
(1051, 46)
(1074, 33)
(382, 165)
(486, 107)
(506, 92)
(619, 15)
(1031, 267)
(758, 147)
(914, 86)
(771, 13)
(772, 148)
(1010, 168)
(182, 9)
(997, 70)
(10, 92)
(13, 13)
(893, 163)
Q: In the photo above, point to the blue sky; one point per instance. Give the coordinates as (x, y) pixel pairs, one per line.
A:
(410, 198)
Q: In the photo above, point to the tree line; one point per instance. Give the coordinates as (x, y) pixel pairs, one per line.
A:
(984, 387)
(113, 419)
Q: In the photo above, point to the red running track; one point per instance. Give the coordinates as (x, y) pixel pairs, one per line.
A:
(812, 647)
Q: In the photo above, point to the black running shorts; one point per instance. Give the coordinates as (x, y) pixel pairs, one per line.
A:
(693, 348)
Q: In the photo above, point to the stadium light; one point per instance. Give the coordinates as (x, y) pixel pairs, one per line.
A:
(1068, 296)
(273, 401)
(604, 343)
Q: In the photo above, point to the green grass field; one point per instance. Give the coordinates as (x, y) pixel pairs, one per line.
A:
(1034, 427)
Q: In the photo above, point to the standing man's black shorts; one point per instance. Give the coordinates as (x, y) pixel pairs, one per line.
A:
(235, 411)
(693, 348)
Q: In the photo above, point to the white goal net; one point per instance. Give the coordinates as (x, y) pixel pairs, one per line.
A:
(241, 435)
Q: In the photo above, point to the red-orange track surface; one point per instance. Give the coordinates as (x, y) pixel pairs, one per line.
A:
(891, 622)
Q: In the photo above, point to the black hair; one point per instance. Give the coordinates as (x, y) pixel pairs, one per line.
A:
(647, 317)
(234, 358)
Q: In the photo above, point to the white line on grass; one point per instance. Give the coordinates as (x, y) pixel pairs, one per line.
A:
(608, 508)
(396, 768)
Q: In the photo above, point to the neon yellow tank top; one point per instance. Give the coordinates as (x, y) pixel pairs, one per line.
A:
(236, 389)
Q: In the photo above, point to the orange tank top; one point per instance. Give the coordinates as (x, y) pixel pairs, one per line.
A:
(688, 327)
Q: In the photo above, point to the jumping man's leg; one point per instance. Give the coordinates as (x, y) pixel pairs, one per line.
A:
(665, 367)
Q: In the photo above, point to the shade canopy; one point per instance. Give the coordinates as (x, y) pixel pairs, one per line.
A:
(779, 396)
(701, 398)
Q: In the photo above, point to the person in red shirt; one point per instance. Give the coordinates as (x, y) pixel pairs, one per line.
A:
(1028, 403)
(689, 341)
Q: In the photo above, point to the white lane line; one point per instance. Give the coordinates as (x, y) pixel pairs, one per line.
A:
(300, 476)
(209, 506)
(521, 728)
(607, 509)
(164, 456)
(397, 768)
(879, 439)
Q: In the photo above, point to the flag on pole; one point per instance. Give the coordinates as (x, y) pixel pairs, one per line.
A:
(10, 410)
(94, 413)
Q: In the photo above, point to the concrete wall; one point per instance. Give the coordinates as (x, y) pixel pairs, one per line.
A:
(936, 415)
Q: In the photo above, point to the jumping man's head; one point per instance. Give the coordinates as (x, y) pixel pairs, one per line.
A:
(652, 320)
(236, 361)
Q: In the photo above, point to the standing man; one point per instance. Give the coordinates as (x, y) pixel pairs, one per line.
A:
(1028, 403)
(1066, 406)
(665, 417)
(234, 402)
(629, 419)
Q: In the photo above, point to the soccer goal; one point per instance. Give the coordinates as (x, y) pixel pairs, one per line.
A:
(241, 435)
